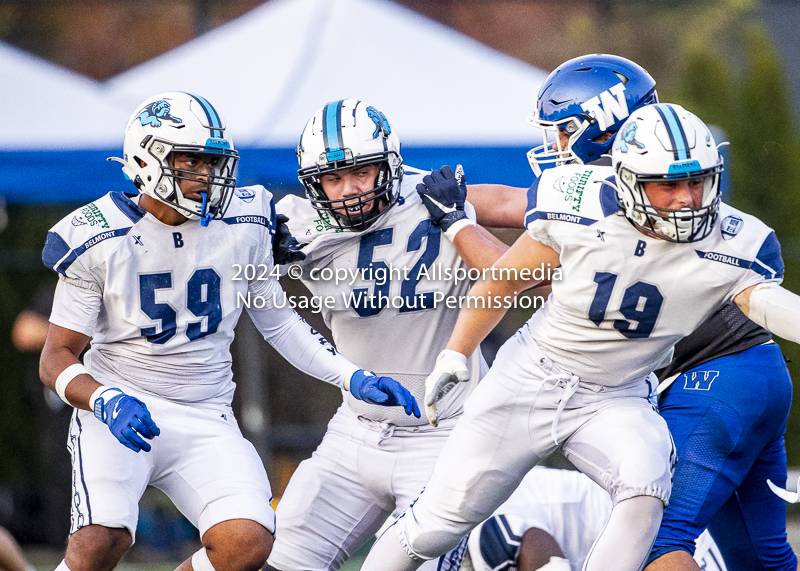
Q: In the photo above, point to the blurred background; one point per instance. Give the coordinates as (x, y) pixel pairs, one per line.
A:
(457, 80)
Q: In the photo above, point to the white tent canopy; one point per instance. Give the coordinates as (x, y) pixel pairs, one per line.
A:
(48, 107)
(269, 70)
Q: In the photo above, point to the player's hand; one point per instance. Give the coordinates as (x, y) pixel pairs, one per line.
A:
(285, 247)
(444, 193)
(451, 369)
(384, 391)
(127, 418)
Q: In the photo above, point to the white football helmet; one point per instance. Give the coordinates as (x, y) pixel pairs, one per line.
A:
(665, 142)
(182, 123)
(341, 135)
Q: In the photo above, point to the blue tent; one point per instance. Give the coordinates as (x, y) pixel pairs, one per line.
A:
(450, 98)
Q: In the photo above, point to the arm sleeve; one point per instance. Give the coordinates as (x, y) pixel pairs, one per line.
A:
(76, 307)
(777, 310)
(299, 343)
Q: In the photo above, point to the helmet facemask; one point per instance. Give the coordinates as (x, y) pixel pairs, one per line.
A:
(551, 152)
(345, 135)
(349, 212)
(218, 184)
(683, 225)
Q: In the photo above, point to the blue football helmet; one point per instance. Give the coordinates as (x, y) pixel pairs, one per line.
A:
(585, 98)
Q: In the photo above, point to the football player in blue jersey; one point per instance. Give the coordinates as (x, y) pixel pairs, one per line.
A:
(729, 436)
(151, 280)
(665, 186)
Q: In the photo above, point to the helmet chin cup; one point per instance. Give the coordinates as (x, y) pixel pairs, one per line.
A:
(342, 135)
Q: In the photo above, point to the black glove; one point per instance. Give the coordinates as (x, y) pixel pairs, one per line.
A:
(285, 247)
(444, 193)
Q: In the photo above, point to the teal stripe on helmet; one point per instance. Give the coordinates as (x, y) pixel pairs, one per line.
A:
(332, 130)
(675, 130)
(212, 115)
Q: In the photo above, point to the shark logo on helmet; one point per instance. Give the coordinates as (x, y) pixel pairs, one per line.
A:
(628, 136)
(155, 112)
(381, 122)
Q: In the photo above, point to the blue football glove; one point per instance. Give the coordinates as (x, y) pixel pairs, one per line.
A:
(444, 193)
(285, 247)
(127, 418)
(384, 391)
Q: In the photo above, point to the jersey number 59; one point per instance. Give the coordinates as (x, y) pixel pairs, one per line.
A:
(202, 300)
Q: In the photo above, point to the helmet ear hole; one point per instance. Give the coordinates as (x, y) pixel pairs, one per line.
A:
(140, 162)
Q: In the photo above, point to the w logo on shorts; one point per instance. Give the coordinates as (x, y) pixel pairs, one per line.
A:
(699, 380)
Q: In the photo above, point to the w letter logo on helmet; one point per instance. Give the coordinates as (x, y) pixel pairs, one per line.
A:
(586, 100)
(609, 104)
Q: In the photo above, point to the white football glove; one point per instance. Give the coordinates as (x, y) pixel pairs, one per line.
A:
(451, 368)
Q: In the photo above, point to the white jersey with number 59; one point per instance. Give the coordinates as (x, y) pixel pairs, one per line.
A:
(620, 285)
(160, 302)
(390, 310)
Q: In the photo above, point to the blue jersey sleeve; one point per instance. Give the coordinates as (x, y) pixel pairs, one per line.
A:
(769, 262)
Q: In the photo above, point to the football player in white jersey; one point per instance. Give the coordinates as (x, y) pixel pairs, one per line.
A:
(644, 263)
(550, 523)
(364, 225)
(152, 281)
(725, 459)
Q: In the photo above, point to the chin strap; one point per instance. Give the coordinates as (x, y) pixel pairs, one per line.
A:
(205, 218)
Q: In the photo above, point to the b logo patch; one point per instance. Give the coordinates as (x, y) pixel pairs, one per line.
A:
(730, 226)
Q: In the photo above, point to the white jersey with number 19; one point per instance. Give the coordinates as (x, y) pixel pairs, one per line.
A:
(602, 302)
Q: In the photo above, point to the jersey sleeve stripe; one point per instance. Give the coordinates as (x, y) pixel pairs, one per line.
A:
(559, 216)
(609, 201)
(533, 195)
(127, 206)
(769, 261)
(55, 248)
(52, 248)
(252, 219)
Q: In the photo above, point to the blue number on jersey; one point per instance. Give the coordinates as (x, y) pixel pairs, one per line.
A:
(408, 288)
(203, 300)
(641, 302)
(379, 271)
(148, 284)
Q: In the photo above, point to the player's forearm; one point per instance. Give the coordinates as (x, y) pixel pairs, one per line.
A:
(498, 206)
(476, 249)
(302, 346)
(480, 316)
(57, 357)
(774, 308)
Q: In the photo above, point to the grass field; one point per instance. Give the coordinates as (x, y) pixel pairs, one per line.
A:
(47, 560)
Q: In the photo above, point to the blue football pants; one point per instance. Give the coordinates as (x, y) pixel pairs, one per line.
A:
(728, 420)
